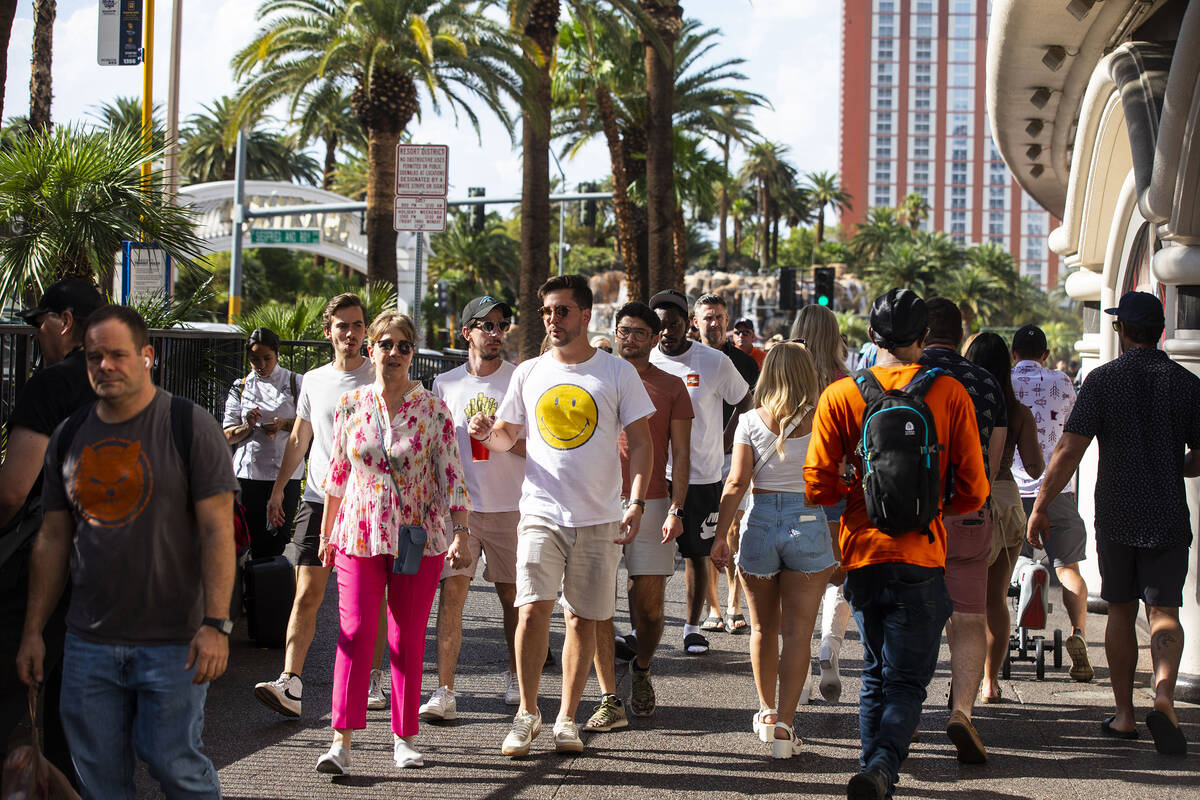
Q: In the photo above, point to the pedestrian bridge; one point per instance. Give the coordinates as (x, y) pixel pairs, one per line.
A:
(343, 235)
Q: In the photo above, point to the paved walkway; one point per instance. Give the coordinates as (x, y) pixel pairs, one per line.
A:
(1044, 741)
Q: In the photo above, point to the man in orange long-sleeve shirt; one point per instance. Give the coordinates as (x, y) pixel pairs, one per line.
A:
(896, 584)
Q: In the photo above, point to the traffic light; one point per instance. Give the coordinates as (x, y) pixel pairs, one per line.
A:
(787, 288)
(443, 297)
(477, 210)
(823, 286)
(589, 206)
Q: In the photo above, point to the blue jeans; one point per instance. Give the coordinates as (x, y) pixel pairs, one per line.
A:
(122, 699)
(900, 610)
(781, 531)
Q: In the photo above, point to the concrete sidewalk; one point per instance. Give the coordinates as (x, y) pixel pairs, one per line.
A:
(1044, 741)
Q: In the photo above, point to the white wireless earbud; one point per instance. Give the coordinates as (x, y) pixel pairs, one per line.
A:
(147, 361)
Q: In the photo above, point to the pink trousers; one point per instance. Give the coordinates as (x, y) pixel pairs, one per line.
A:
(361, 582)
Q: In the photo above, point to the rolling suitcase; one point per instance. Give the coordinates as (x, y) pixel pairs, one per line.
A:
(270, 587)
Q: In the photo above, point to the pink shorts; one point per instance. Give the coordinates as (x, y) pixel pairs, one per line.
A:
(968, 546)
(494, 534)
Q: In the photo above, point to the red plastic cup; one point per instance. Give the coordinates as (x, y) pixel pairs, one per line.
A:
(479, 451)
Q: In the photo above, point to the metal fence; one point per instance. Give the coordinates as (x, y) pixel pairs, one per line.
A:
(199, 365)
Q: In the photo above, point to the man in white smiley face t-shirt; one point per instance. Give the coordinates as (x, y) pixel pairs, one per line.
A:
(573, 402)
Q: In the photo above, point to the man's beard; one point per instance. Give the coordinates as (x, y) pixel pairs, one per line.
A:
(485, 356)
(715, 340)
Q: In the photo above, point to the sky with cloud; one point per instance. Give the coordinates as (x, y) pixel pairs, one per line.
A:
(792, 48)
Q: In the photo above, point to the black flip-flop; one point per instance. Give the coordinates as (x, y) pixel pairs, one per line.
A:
(714, 623)
(1109, 730)
(625, 647)
(695, 640)
(1168, 738)
(732, 627)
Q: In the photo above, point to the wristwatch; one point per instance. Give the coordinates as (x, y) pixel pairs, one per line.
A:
(225, 626)
(675, 511)
(636, 502)
(462, 528)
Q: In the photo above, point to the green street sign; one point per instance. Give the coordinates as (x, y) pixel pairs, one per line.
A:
(285, 236)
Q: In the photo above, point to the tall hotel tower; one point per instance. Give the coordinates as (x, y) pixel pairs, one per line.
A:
(914, 119)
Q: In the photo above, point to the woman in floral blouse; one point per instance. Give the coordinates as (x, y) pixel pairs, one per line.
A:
(363, 516)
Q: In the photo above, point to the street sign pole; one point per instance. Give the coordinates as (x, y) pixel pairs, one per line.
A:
(416, 315)
(239, 215)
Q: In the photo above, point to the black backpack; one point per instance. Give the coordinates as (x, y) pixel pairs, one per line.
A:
(900, 454)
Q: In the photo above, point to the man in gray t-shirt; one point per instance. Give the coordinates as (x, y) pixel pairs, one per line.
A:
(148, 539)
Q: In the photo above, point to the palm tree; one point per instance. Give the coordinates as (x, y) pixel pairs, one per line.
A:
(941, 253)
(903, 265)
(8, 12)
(481, 261)
(590, 48)
(126, 112)
(208, 152)
(389, 51)
(666, 21)
(873, 237)
(325, 114)
(976, 292)
(44, 12)
(914, 209)
(767, 168)
(825, 190)
(77, 195)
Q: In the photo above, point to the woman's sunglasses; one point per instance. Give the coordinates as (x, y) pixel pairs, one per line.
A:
(403, 347)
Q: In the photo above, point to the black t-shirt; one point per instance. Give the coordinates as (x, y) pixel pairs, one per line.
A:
(746, 366)
(50, 396)
(1144, 410)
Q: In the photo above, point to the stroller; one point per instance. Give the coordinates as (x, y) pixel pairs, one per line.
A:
(1029, 588)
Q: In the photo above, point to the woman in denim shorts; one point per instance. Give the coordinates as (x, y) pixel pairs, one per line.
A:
(786, 556)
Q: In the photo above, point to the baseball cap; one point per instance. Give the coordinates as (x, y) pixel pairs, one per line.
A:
(79, 295)
(1029, 339)
(1138, 307)
(670, 297)
(744, 322)
(481, 307)
(898, 318)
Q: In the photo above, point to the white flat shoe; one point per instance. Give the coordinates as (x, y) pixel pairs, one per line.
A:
(335, 762)
(405, 756)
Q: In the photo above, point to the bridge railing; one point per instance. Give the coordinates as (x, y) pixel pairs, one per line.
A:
(200, 365)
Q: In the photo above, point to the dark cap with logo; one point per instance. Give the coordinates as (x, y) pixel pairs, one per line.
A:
(482, 306)
(1030, 339)
(78, 295)
(898, 318)
(671, 298)
(1138, 308)
(744, 322)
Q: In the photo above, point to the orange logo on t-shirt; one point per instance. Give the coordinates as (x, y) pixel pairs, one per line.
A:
(693, 379)
(113, 482)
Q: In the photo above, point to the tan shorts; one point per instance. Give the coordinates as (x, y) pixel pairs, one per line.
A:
(581, 561)
(968, 542)
(647, 555)
(493, 533)
(1008, 518)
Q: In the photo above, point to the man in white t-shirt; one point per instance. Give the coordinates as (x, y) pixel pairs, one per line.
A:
(494, 485)
(1051, 397)
(711, 379)
(344, 321)
(573, 401)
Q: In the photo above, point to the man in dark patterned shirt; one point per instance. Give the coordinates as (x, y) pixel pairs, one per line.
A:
(968, 536)
(1145, 410)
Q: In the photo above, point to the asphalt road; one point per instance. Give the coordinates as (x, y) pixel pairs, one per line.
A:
(1044, 741)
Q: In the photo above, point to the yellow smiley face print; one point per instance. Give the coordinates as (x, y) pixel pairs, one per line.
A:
(566, 416)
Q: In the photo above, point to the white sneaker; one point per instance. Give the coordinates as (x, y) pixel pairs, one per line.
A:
(512, 689)
(335, 762)
(830, 681)
(405, 756)
(525, 729)
(282, 694)
(566, 737)
(377, 699)
(441, 705)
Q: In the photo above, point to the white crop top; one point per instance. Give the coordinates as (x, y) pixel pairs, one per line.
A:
(784, 474)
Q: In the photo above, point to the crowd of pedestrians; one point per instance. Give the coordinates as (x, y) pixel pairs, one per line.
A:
(899, 493)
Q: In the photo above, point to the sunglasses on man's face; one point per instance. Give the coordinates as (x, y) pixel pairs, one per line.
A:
(637, 334)
(742, 332)
(403, 347)
(488, 326)
(1117, 325)
(549, 312)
